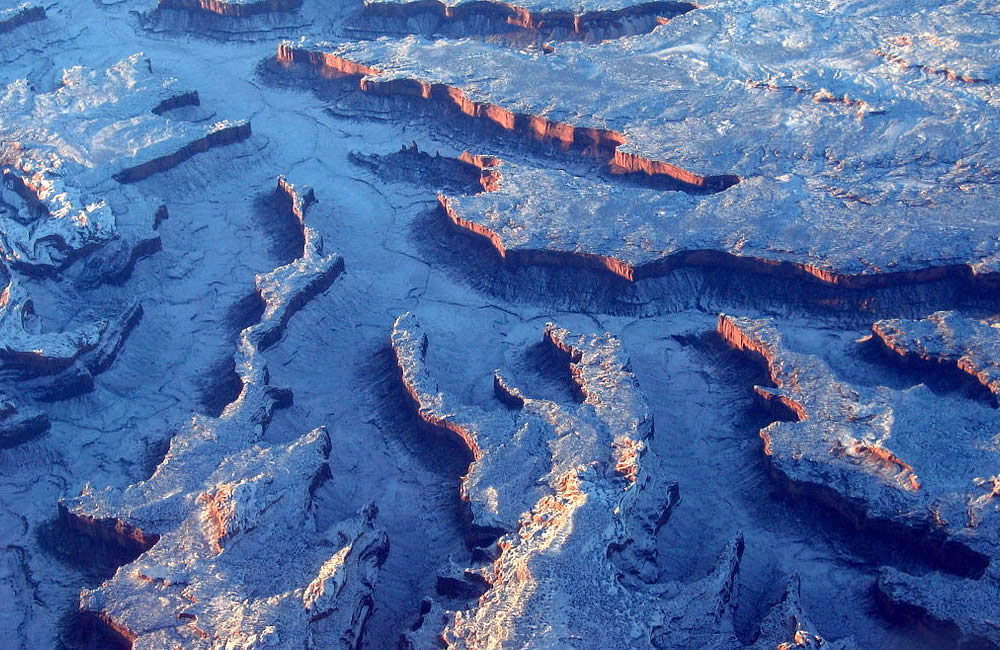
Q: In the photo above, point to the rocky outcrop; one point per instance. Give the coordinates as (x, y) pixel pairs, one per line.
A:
(580, 498)
(467, 173)
(189, 98)
(11, 19)
(663, 111)
(287, 288)
(19, 423)
(58, 159)
(214, 578)
(562, 226)
(926, 52)
(206, 524)
(219, 135)
(599, 143)
(233, 8)
(48, 366)
(949, 340)
(56, 365)
(954, 608)
(520, 23)
(832, 444)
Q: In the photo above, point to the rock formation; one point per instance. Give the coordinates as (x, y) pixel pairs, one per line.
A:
(580, 498)
(520, 22)
(207, 523)
(651, 118)
(14, 17)
(857, 450)
(60, 204)
(58, 192)
(960, 609)
(946, 339)
(232, 8)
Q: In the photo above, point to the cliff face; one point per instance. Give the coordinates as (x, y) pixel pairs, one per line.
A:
(600, 143)
(56, 210)
(949, 343)
(581, 499)
(662, 112)
(520, 24)
(946, 340)
(563, 224)
(14, 17)
(56, 152)
(833, 449)
(237, 9)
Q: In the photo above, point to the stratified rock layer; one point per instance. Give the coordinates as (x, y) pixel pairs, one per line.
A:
(877, 456)
(230, 553)
(947, 339)
(232, 8)
(781, 151)
(521, 22)
(952, 341)
(14, 17)
(61, 151)
(581, 499)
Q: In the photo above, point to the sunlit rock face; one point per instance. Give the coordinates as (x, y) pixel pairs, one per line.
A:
(218, 433)
(67, 152)
(949, 340)
(229, 552)
(66, 156)
(579, 562)
(902, 462)
(695, 107)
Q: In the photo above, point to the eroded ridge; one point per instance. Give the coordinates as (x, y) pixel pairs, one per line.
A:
(232, 8)
(56, 365)
(38, 366)
(22, 14)
(207, 526)
(872, 454)
(60, 150)
(818, 193)
(545, 217)
(540, 217)
(580, 498)
(947, 339)
(466, 174)
(519, 22)
(938, 52)
(601, 143)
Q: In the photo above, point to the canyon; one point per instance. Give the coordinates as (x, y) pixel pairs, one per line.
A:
(481, 324)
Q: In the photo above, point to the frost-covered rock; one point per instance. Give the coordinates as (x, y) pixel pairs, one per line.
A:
(781, 125)
(580, 498)
(229, 555)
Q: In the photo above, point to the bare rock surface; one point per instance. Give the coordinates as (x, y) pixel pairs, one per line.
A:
(581, 501)
(693, 106)
(221, 503)
(855, 448)
(522, 23)
(61, 181)
(947, 338)
(627, 170)
(232, 8)
(13, 17)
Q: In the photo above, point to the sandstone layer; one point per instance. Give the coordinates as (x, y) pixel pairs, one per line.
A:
(949, 340)
(876, 456)
(695, 106)
(206, 525)
(580, 500)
